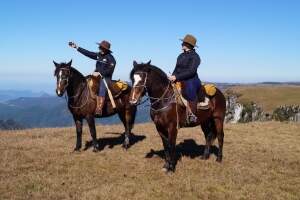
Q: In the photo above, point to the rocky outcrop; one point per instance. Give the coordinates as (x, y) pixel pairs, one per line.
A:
(233, 109)
(287, 113)
(238, 112)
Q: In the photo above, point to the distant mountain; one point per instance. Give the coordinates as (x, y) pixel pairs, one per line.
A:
(10, 125)
(51, 111)
(281, 83)
(6, 95)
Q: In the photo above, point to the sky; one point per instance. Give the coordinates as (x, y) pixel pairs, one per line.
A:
(240, 41)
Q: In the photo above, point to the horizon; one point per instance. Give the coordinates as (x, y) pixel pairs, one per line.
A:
(239, 42)
(52, 92)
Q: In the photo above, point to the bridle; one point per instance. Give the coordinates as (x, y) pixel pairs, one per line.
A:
(156, 99)
(77, 95)
(64, 79)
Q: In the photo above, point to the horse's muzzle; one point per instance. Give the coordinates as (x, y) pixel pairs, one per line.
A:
(59, 93)
(133, 102)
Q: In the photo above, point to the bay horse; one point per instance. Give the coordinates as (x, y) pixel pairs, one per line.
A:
(168, 116)
(82, 103)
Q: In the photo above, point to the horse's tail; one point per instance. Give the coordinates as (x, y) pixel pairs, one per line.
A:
(219, 102)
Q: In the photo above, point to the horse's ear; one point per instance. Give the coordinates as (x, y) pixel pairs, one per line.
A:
(149, 62)
(56, 64)
(69, 64)
(134, 63)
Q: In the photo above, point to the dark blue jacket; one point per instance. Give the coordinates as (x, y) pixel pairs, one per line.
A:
(186, 66)
(105, 63)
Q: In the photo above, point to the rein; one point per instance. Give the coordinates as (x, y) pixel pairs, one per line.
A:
(72, 97)
(156, 99)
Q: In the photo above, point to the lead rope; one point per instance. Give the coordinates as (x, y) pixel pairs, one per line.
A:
(176, 97)
(177, 117)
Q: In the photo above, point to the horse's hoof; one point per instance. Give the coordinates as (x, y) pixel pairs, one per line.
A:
(95, 150)
(76, 149)
(164, 170)
(219, 159)
(168, 168)
(204, 157)
(125, 146)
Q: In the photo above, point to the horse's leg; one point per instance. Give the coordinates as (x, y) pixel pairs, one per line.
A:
(91, 122)
(123, 117)
(172, 130)
(78, 123)
(220, 135)
(209, 136)
(164, 137)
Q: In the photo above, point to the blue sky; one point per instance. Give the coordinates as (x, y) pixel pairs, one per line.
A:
(239, 41)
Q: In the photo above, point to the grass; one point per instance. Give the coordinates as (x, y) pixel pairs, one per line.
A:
(261, 161)
(269, 97)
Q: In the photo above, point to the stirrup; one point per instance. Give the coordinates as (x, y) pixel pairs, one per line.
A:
(191, 118)
(98, 111)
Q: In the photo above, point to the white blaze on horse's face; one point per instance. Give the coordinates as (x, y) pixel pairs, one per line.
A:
(59, 82)
(62, 82)
(137, 88)
(137, 78)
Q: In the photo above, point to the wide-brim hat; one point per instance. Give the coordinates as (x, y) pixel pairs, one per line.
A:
(105, 45)
(190, 39)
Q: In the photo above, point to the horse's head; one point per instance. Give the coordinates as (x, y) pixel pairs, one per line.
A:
(138, 76)
(62, 73)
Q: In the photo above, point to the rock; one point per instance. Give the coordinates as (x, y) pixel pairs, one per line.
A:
(237, 112)
(297, 117)
(233, 109)
(287, 113)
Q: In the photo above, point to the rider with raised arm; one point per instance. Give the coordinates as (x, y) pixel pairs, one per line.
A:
(105, 66)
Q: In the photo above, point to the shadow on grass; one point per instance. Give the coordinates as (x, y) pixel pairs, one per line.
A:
(188, 148)
(111, 142)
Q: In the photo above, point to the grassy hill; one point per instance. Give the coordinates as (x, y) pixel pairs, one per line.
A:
(261, 161)
(268, 96)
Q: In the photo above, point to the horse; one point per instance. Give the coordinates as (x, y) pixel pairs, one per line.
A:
(82, 103)
(168, 115)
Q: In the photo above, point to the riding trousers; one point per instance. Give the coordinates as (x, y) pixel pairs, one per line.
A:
(191, 88)
(102, 88)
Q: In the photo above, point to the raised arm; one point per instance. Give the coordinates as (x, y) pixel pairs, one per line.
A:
(92, 55)
(85, 52)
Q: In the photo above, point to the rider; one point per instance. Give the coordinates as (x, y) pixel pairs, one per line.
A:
(186, 71)
(105, 66)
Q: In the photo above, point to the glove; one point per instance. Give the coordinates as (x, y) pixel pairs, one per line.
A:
(73, 45)
(96, 74)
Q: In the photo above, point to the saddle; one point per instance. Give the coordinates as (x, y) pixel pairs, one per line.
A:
(204, 94)
(117, 87)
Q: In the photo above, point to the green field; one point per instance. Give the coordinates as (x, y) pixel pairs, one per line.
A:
(268, 97)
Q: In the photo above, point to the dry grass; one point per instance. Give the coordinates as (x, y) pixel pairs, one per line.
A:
(261, 161)
(269, 97)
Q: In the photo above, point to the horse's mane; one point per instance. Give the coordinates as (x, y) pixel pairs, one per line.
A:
(72, 69)
(148, 68)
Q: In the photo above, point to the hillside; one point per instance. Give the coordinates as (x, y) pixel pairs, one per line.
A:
(51, 111)
(268, 96)
(261, 161)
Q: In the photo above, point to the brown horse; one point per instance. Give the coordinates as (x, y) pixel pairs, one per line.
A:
(82, 103)
(168, 115)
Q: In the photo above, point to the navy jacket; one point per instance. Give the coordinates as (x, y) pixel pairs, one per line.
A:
(105, 63)
(186, 66)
